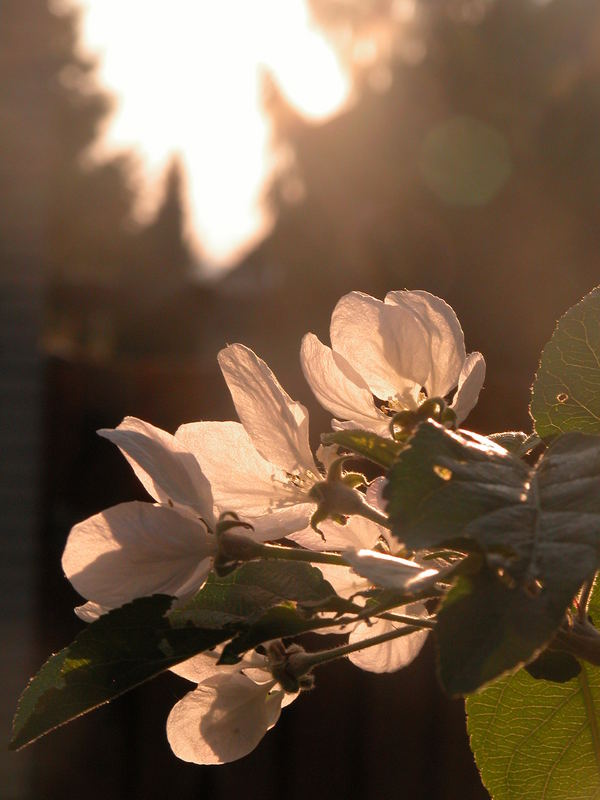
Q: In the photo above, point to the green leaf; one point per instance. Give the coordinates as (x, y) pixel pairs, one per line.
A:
(536, 530)
(444, 481)
(245, 594)
(566, 389)
(485, 628)
(369, 445)
(122, 649)
(133, 644)
(538, 740)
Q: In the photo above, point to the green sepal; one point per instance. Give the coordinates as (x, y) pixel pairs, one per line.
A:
(319, 515)
(354, 479)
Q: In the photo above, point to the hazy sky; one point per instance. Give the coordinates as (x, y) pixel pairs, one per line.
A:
(185, 73)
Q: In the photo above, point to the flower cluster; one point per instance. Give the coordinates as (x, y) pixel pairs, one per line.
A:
(385, 357)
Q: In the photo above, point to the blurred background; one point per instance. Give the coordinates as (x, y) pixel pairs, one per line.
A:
(177, 176)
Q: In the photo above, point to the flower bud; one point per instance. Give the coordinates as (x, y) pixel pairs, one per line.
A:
(284, 662)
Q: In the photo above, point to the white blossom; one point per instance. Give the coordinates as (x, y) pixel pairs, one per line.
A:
(228, 713)
(401, 350)
(262, 467)
(137, 549)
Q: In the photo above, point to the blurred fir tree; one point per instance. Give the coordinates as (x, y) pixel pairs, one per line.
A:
(165, 258)
(94, 254)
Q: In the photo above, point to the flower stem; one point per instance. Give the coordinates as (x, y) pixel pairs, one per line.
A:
(301, 663)
(379, 609)
(275, 551)
(407, 619)
(368, 512)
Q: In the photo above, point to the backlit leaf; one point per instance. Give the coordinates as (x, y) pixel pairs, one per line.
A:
(120, 650)
(133, 644)
(535, 530)
(566, 390)
(245, 594)
(536, 739)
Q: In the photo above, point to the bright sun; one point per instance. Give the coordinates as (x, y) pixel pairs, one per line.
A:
(186, 77)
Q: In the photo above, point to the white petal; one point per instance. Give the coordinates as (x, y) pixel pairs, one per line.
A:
(240, 478)
(167, 471)
(389, 656)
(288, 697)
(277, 425)
(374, 495)
(203, 666)
(242, 481)
(357, 533)
(387, 571)
(347, 584)
(281, 522)
(223, 719)
(470, 384)
(446, 341)
(136, 549)
(337, 385)
(259, 675)
(327, 454)
(344, 580)
(381, 427)
(385, 345)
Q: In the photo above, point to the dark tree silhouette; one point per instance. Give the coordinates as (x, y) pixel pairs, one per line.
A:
(164, 256)
(94, 253)
(52, 112)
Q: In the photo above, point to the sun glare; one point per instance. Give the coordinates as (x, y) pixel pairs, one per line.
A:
(186, 78)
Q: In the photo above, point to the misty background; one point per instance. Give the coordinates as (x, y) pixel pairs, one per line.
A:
(466, 162)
